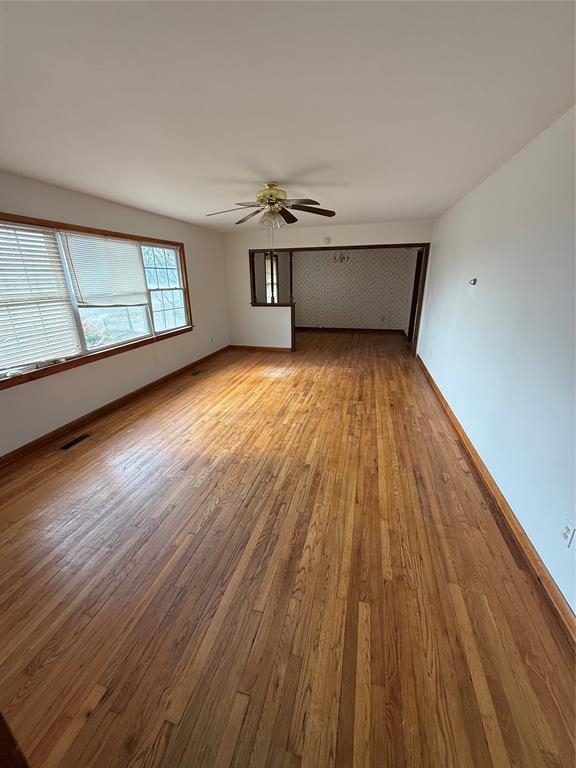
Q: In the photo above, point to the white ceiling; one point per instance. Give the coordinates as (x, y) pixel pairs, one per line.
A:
(380, 110)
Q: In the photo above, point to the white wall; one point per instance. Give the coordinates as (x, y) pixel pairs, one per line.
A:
(246, 326)
(502, 352)
(37, 407)
(358, 288)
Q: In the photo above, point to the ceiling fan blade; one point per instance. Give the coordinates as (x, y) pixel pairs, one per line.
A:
(320, 211)
(299, 201)
(252, 213)
(226, 211)
(288, 217)
(250, 205)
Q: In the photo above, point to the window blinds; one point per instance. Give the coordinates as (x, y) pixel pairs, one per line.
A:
(66, 293)
(36, 318)
(105, 272)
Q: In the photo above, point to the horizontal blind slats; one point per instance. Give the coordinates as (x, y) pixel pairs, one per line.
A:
(45, 273)
(36, 318)
(106, 271)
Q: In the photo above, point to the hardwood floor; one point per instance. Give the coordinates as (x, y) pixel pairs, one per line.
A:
(285, 561)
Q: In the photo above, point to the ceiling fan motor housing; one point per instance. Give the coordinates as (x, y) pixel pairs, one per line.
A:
(270, 194)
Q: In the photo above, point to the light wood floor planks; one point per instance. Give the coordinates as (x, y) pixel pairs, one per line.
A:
(285, 561)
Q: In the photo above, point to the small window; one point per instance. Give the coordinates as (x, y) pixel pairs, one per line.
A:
(166, 287)
(271, 272)
(270, 278)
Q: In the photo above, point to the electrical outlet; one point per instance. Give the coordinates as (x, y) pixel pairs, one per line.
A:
(568, 532)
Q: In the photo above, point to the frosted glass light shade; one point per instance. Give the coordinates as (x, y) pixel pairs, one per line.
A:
(272, 220)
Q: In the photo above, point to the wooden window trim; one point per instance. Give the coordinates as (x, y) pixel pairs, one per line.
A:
(75, 362)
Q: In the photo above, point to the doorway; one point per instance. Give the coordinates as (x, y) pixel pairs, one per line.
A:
(375, 288)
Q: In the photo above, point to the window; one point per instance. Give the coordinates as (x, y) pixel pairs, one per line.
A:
(108, 288)
(270, 277)
(104, 327)
(65, 294)
(271, 273)
(164, 280)
(37, 321)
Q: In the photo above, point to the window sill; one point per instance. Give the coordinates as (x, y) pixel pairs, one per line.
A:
(48, 370)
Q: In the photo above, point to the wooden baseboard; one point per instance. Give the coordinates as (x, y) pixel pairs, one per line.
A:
(260, 349)
(72, 426)
(533, 560)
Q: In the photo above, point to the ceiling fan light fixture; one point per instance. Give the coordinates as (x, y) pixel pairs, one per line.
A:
(276, 207)
(271, 220)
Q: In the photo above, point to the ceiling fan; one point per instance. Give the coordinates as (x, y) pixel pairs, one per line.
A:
(276, 207)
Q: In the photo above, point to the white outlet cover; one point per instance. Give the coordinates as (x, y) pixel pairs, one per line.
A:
(568, 532)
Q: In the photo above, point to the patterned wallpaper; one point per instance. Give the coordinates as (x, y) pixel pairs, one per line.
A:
(371, 288)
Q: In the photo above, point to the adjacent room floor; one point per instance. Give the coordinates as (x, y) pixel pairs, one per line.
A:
(285, 560)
